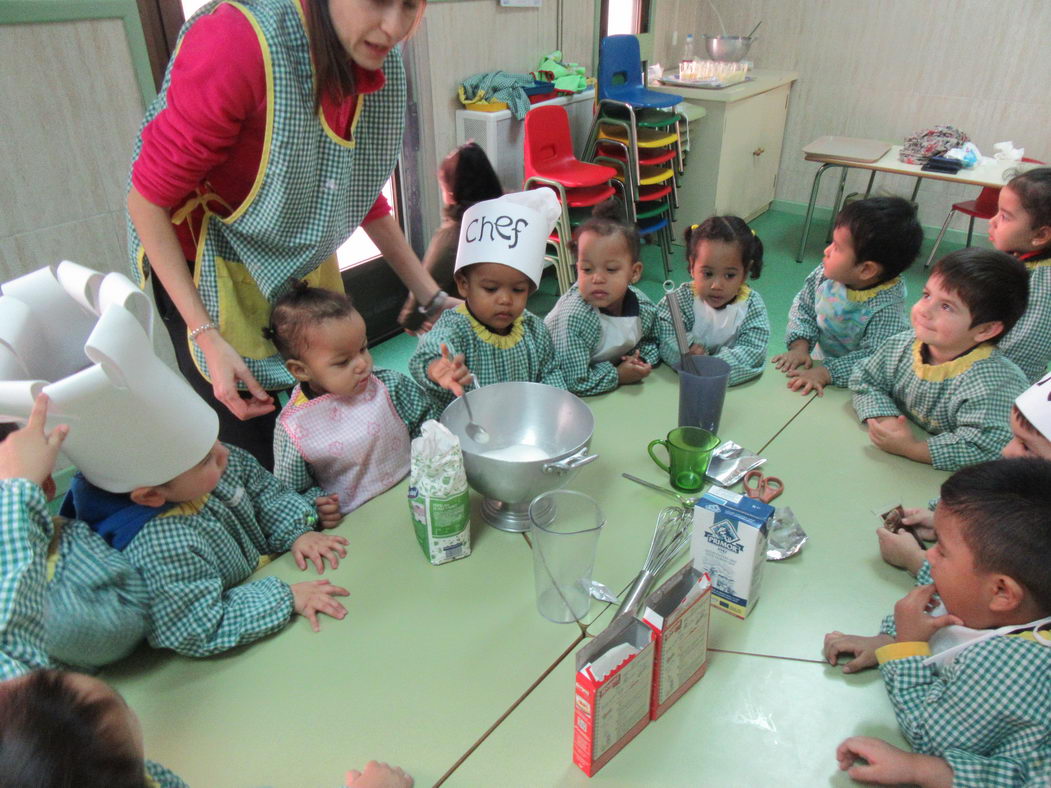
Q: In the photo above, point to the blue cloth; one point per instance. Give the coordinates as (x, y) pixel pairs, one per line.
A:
(113, 516)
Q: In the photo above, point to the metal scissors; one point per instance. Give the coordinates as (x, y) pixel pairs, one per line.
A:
(765, 488)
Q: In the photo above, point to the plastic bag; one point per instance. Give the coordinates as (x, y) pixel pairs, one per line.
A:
(968, 154)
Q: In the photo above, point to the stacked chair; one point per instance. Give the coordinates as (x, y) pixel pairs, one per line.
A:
(550, 163)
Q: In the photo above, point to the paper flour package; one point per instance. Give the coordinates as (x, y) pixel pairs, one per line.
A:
(438, 497)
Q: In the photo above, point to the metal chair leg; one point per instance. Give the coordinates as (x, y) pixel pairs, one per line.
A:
(938, 240)
(970, 230)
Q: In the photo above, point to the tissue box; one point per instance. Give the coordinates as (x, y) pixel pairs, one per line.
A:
(678, 613)
(612, 707)
(729, 543)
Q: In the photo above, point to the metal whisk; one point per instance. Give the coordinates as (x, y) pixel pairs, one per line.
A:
(674, 527)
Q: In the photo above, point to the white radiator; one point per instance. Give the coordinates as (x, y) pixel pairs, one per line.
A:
(501, 135)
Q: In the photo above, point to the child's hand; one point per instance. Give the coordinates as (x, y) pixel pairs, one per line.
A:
(911, 619)
(315, 596)
(378, 775)
(797, 356)
(316, 548)
(450, 373)
(698, 350)
(888, 765)
(30, 453)
(892, 435)
(900, 550)
(328, 510)
(862, 648)
(922, 522)
(804, 380)
(632, 369)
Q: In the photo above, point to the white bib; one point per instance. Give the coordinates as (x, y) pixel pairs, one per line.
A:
(951, 641)
(713, 328)
(619, 335)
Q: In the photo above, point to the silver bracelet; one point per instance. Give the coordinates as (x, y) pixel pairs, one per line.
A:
(200, 330)
(436, 303)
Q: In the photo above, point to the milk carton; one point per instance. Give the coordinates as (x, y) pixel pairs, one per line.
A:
(438, 498)
(729, 543)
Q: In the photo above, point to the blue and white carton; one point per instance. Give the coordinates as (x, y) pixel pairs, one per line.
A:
(729, 543)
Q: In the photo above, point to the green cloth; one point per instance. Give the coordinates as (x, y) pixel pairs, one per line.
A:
(531, 358)
(746, 354)
(500, 86)
(1028, 344)
(194, 563)
(575, 331)
(869, 323)
(966, 413)
(413, 404)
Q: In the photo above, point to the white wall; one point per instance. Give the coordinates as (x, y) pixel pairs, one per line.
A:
(887, 68)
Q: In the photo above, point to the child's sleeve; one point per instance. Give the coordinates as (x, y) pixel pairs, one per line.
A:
(289, 466)
(25, 532)
(430, 348)
(190, 611)
(981, 417)
(995, 694)
(413, 404)
(283, 514)
(669, 346)
(873, 380)
(649, 346)
(885, 323)
(802, 316)
(549, 371)
(574, 332)
(747, 355)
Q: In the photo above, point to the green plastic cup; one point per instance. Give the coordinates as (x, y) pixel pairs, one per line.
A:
(689, 452)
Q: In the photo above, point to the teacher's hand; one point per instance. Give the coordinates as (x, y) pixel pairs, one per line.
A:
(227, 368)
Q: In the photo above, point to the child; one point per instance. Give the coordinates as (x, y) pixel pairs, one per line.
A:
(855, 300)
(343, 437)
(498, 264)
(946, 374)
(1022, 227)
(722, 315)
(969, 680)
(604, 330)
(465, 177)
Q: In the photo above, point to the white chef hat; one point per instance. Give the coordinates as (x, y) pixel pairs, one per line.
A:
(511, 230)
(84, 339)
(1035, 405)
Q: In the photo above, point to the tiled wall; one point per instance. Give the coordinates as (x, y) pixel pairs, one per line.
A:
(886, 68)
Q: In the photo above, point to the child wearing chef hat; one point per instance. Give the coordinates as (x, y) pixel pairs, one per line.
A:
(492, 337)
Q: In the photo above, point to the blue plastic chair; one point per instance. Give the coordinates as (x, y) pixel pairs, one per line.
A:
(620, 75)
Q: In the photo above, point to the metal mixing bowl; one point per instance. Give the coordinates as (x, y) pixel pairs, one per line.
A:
(728, 49)
(539, 436)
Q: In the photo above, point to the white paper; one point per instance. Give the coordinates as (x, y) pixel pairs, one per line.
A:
(610, 660)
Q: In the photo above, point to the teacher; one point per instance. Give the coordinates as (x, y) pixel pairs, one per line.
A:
(276, 127)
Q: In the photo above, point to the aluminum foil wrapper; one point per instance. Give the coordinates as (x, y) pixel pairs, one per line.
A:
(730, 463)
(786, 537)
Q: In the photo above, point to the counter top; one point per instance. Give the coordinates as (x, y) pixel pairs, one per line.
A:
(764, 80)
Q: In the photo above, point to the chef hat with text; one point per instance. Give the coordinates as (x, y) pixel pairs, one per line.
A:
(511, 230)
(85, 339)
(1035, 405)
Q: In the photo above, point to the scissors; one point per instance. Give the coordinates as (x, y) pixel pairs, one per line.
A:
(765, 488)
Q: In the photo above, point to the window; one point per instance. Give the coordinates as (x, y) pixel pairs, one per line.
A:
(631, 17)
(359, 248)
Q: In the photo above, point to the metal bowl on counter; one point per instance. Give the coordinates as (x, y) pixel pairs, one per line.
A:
(538, 438)
(727, 48)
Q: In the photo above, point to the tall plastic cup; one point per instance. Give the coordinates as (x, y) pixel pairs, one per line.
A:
(564, 529)
(702, 389)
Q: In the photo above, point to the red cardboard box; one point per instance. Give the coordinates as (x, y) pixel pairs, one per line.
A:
(611, 709)
(678, 613)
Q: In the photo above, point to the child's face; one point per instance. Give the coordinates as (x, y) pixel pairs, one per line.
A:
(1026, 442)
(958, 582)
(943, 321)
(840, 263)
(334, 357)
(605, 269)
(1011, 229)
(717, 271)
(200, 480)
(496, 293)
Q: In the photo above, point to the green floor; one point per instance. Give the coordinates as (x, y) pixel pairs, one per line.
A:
(781, 279)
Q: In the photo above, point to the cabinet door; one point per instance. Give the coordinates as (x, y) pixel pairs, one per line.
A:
(751, 152)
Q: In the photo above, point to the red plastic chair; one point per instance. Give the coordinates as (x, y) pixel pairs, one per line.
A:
(984, 207)
(549, 151)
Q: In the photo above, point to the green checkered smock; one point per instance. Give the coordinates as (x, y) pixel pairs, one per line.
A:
(965, 404)
(413, 404)
(575, 331)
(525, 354)
(863, 320)
(25, 533)
(746, 355)
(1028, 344)
(194, 558)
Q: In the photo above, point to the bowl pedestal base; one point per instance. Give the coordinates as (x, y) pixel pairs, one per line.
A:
(511, 517)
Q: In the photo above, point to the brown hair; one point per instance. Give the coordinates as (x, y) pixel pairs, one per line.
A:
(300, 308)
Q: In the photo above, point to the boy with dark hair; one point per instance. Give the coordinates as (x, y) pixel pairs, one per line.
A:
(970, 681)
(855, 299)
(946, 374)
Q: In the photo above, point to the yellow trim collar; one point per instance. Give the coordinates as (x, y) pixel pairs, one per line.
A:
(865, 295)
(950, 369)
(499, 341)
(1037, 264)
(742, 293)
(188, 508)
